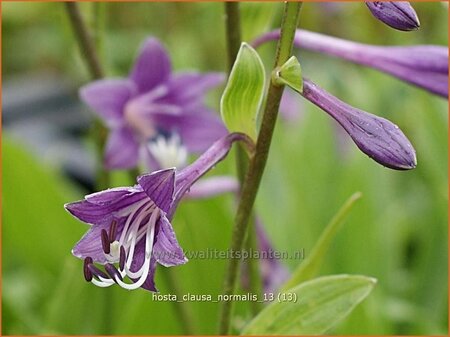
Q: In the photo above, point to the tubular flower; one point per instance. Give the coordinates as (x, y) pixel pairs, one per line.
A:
(130, 226)
(396, 14)
(425, 66)
(377, 137)
(154, 114)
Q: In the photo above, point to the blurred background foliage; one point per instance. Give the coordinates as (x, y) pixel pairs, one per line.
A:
(397, 233)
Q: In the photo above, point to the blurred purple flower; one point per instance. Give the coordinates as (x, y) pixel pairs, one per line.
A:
(291, 106)
(130, 226)
(154, 114)
(396, 14)
(425, 66)
(209, 187)
(273, 272)
(377, 137)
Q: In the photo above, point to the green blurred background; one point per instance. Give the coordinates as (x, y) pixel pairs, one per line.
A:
(397, 233)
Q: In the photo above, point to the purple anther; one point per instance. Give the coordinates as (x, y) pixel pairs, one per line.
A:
(122, 258)
(96, 272)
(105, 241)
(112, 231)
(112, 271)
(87, 272)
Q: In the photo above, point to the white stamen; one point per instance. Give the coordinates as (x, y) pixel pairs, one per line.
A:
(131, 216)
(168, 152)
(133, 231)
(148, 248)
(102, 284)
(146, 265)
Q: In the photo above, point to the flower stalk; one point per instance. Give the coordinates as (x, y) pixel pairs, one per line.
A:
(88, 51)
(85, 40)
(233, 37)
(258, 161)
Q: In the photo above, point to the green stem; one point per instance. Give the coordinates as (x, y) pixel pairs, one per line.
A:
(254, 270)
(233, 31)
(258, 161)
(98, 27)
(233, 37)
(88, 51)
(85, 40)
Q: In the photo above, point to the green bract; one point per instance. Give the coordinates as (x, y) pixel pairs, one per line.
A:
(243, 94)
(319, 305)
(290, 74)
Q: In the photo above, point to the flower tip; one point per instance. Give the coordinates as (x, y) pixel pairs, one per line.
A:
(404, 156)
(412, 164)
(159, 187)
(396, 14)
(68, 207)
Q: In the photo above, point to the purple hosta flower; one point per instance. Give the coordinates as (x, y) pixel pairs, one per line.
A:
(154, 114)
(396, 14)
(377, 137)
(425, 66)
(209, 187)
(273, 272)
(130, 226)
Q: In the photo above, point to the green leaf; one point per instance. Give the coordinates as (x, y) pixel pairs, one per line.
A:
(311, 265)
(37, 230)
(320, 304)
(290, 74)
(243, 94)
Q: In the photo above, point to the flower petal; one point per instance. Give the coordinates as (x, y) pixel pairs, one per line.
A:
(159, 187)
(149, 283)
(191, 87)
(99, 213)
(91, 244)
(152, 66)
(425, 66)
(210, 187)
(197, 129)
(110, 195)
(122, 149)
(166, 249)
(107, 98)
(138, 261)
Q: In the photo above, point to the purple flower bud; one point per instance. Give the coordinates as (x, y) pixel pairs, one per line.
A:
(396, 14)
(377, 137)
(425, 66)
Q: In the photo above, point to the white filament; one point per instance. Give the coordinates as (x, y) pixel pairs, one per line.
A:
(146, 265)
(168, 152)
(132, 233)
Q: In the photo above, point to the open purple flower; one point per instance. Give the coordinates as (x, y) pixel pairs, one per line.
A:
(130, 226)
(377, 137)
(154, 114)
(425, 66)
(396, 14)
